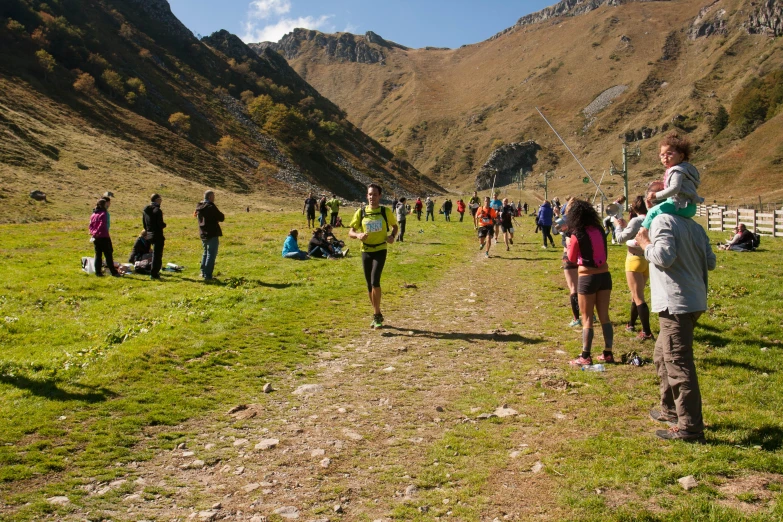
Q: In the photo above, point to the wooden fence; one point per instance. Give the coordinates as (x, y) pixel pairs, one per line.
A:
(720, 218)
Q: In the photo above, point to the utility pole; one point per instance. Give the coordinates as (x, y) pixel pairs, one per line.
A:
(547, 175)
(624, 173)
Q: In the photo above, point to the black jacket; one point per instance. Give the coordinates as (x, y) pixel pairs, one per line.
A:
(152, 219)
(140, 247)
(209, 219)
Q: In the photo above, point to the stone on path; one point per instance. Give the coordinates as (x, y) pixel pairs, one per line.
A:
(266, 444)
(338, 508)
(389, 369)
(240, 442)
(196, 464)
(411, 491)
(537, 467)
(207, 515)
(326, 462)
(58, 501)
(317, 453)
(505, 411)
(688, 483)
(251, 487)
(268, 388)
(352, 434)
(307, 389)
(289, 512)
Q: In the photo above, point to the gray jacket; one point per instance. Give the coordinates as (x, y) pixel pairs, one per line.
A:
(680, 257)
(682, 183)
(632, 228)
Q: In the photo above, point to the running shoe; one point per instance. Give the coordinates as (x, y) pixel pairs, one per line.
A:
(511, 240)
(630, 329)
(377, 321)
(482, 246)
(508, 249)
(644, 337)
(544, 247)
(575, 323)
(581, 361)
(608, 359)
(486, 254)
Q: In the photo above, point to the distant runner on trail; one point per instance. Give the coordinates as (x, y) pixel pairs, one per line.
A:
(474, 204)
(506, 223)
(497, 206)
(486, 217)
(375, 226)
(309, 207)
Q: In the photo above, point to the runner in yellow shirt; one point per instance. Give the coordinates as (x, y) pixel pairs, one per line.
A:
(375, 226)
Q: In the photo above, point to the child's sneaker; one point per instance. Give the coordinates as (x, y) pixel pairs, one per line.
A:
(645, 337)
(630, 329)
(575, 323)
(581, 361)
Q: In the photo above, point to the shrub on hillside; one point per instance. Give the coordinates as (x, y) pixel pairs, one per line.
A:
(331, 128)
(180, 123)
(45, 61)
(39, 37)
(259, 108)
(719, 121)
(114, 82)
(85, 84)
(130, 98)
(497, 143)
(247, 96)
(227, 146)
(15, 28)
(98, 61)
(757, 102)
(137, 86)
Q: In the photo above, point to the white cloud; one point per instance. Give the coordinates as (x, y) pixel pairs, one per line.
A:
(263, 9)
(266, 22)
(351, 28)
(275, 31)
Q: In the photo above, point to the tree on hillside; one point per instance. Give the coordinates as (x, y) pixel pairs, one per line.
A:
(719, 121)
(137, 86)
(260, 107)
(46, 62)
(114, 82)
(85, 84)
(400, 154)
(180, 123)
(227, 146)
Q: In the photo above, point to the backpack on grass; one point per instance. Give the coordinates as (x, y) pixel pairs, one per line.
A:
(756, 241)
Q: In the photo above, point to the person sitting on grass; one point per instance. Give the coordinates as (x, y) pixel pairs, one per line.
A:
(319, 246)
(742, 240)
(291, 247)
(141, 248)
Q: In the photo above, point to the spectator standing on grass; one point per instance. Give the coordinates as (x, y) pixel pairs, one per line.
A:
(152, 219)
(430, 205)
(376, 227)
(587, 249)
(101, 240)
(401, 214)
(447, 206)
(417, 208)
(637, 270)
(309, 207)
(525, 207)
(461, 209)
(291, 247)
(334, 207)
(570, 270)
(323, 209)
(680, 258)
(544, 222)
(209, 219)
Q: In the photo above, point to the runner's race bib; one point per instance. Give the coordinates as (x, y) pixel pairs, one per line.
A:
(375, 225)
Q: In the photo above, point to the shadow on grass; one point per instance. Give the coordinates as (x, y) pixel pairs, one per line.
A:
(768, 436)
(49, 389)
(465, 336)
(234, 282)
(722, 361)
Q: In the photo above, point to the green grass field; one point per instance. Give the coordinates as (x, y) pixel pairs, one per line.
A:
(96, 372)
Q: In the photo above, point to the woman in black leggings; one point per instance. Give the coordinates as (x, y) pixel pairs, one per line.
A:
(376, 227)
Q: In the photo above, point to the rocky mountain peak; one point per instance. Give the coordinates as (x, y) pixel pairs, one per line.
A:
(342, 47)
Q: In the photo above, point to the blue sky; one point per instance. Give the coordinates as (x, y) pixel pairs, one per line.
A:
(437, 23)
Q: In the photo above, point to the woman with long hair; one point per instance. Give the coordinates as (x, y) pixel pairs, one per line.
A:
(569, 268)
(637, 270)
(99, 230)
(587, 249)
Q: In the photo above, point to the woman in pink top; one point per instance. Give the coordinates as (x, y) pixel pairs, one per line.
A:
(587, 249)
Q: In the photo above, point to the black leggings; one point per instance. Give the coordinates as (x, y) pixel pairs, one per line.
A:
(546, 231)
(373, 266)
(401, 237)
(104, 248)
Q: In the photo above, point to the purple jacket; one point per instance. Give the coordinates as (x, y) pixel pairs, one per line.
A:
(98, 224)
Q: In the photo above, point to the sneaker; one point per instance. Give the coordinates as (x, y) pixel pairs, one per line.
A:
(377, 321)
(486, 254)
(608, 359)
(645, 337)
(630, 329)
(345, 252)
(582, 361)
(511, 240)
(575, 323)
(508, 249)
(482, 246)
(116, 274)
(675, 433)
(657, 416)
(544, 247)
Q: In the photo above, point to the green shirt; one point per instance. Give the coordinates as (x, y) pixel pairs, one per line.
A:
(334, 205)
(375, 226)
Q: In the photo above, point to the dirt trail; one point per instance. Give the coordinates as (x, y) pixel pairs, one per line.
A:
(387, 412)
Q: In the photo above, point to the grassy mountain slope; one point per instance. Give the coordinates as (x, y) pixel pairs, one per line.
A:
(678, 61)
(88, 89)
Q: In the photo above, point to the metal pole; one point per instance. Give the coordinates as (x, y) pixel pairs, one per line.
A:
(625, 175)
(571, 152)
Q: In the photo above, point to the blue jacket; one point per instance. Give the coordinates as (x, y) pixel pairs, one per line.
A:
(545, 214)
(290, 245)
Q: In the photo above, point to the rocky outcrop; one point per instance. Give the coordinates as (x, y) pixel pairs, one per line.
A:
(638, 135)
(709, 21)
(343, 47)
(767, 19)
(565, 8)
(505, 163)
(160, 11)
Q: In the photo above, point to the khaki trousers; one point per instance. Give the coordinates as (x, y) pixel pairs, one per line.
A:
(673, 358)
